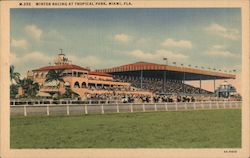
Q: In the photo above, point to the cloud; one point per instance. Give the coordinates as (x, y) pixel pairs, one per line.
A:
(122, 38)
(29, 61)
(220, 50)
(174, 43)
(86, 61)
(22, 43)
(13, 58)
(54, 35)
(32, 57)
(219, 30)
(94, 62)
(221, 53)
(218, 46)
(33, 31)
(36, 59)
(159, 54)
(142, 41)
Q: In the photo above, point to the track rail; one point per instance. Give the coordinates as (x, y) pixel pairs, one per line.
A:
(79, 109)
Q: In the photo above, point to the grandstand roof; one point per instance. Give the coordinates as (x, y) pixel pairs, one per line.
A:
(58, 67)
(172, 72)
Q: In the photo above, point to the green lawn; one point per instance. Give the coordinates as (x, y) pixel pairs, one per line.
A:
(171, 129)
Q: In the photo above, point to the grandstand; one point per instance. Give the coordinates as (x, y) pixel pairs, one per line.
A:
(166, 79)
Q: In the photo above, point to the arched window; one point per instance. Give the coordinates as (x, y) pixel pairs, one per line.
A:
(84, 85)
(76, 85)
(42, 74)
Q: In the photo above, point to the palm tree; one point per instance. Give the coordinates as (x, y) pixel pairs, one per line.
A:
(14, 75)
(13, 91)
(55, 75)
(30, 87)
(69, 93)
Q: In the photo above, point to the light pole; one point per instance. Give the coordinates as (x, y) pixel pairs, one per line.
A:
(166, 59)
(164, 77)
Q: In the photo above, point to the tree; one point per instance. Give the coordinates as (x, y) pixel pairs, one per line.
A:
(13, 90)
(54, 75)
(30, 87)
(14, 75)
(69, 93)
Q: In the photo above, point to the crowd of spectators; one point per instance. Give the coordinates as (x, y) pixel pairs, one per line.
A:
(156, 86)
(139, 98)
(170, 86)
(111, 88)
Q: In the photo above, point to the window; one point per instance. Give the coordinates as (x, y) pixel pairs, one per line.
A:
(76, 85)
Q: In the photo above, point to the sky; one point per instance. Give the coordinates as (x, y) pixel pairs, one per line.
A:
(102, 38)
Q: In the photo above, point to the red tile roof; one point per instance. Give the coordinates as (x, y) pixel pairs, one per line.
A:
(57, 67)
(99, 73)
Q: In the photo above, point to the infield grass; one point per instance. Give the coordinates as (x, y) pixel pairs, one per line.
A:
(171, 129)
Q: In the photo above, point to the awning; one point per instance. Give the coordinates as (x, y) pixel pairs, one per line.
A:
(43, 94)
(51, 83)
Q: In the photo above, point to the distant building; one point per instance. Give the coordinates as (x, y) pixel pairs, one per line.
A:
(226, 90)
(79, 79)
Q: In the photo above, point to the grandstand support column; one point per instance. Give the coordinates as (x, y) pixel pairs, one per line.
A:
(164, 80)
(184, 77)
(200, 87)
(141, 77)
(214, 85)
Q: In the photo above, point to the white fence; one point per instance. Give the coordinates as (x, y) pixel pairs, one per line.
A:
(73, 109)
(59, 102)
